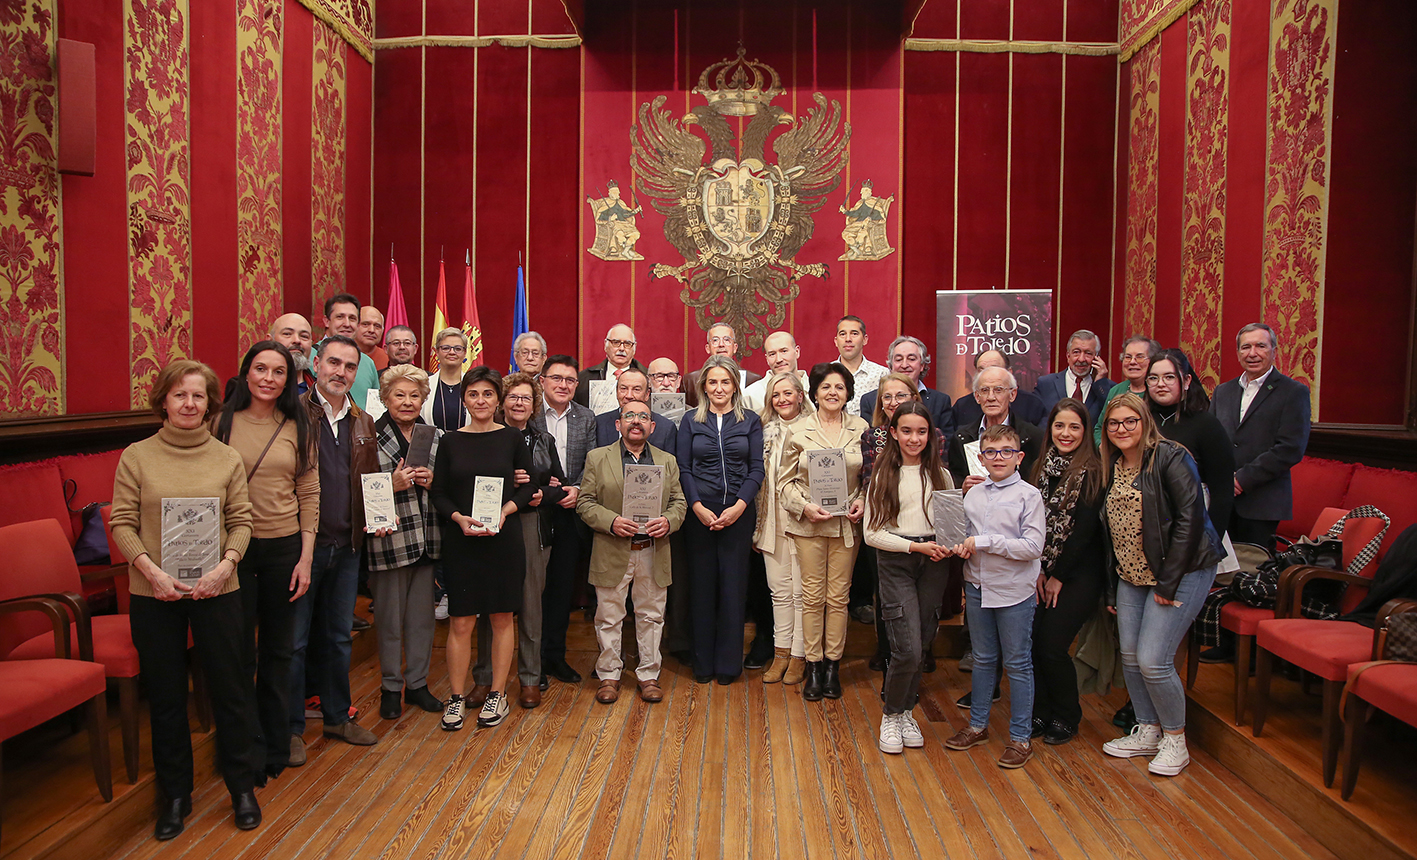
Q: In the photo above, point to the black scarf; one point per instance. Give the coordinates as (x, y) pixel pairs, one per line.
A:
(1060, 505)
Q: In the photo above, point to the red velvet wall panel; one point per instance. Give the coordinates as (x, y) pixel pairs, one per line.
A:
(552, 254)
(1034, 202)
(96, 285)
(1244, 215)
(983, 152)
(298, 105)
(359, 106)
(450, 111)
(398, 180)
(213, 130)
(928, 227)
(397, 19)
(1371, 209)
(1171, 183)
(76, 106)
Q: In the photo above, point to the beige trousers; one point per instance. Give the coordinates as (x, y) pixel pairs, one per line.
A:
(826, 564)
(638, 583)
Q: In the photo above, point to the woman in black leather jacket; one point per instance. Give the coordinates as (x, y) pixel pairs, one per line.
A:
(1162, 551)
(521, 401)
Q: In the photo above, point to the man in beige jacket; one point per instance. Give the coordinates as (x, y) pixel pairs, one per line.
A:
(629, 557)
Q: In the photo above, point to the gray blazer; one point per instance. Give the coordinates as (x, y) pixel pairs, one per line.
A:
(1268, 442)
(580, 438)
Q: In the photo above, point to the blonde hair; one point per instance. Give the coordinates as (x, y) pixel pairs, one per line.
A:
(400, 373)
(734, 376)
(1150, 433)
(769, 414)
(878, 415)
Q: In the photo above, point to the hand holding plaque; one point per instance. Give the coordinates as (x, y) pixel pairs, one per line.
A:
(644, 488)
(487, 503)
(826, 480)
(947, 513)
(191, 538)
(378, 494)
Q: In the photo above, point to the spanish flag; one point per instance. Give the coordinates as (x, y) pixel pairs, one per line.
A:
(440, 318)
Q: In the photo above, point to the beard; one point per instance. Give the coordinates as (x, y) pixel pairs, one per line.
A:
(302, 361)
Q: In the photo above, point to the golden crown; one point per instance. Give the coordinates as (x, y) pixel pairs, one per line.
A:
(739, 86)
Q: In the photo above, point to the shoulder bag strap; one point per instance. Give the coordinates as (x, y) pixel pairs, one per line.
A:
(264, 450)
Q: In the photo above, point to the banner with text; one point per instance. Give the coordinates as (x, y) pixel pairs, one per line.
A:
(1018, 323)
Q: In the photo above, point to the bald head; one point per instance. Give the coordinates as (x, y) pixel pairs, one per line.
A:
(620, 346)
(664, 375)
(292, 331)
(781, 350)
(991, 358)
(371, 328)
(995, 390)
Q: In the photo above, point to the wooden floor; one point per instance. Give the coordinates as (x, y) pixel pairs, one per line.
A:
(739, 771)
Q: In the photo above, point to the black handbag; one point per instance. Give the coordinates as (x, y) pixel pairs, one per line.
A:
(92, 544)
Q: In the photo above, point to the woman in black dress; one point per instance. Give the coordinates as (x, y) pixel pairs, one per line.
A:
(483, 569)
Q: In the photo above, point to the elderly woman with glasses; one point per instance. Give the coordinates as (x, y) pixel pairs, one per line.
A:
(444, 408)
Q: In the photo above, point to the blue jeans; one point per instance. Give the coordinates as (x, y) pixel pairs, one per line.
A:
(324, 617)
(1006, 629)
(1150, 634)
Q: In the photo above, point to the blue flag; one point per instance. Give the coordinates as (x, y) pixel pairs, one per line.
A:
(519, 323)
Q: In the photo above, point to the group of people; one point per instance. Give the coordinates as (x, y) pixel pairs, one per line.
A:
(1057, 523)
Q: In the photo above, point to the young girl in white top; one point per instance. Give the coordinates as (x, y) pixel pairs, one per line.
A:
(911, 569)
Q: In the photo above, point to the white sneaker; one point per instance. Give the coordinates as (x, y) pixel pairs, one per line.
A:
(1144, 740)
(440, 612)
(494, 710)
(910, 733)
(1171, 757)
(890, 740)
(453, 713)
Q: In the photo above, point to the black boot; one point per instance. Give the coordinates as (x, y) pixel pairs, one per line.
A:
(812, 683)
(760, 653)
(831, 679)
(247, 811)
(170, 818)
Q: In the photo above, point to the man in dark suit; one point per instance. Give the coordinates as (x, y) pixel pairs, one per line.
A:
(722, 340)
(1026, 406)
(572, 426)
(1085, 377)
(619, 355)
(1267, 416)
(909, 356)
(995, 388)
(634, 385)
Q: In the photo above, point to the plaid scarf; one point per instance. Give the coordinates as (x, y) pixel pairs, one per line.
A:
(1060, 505)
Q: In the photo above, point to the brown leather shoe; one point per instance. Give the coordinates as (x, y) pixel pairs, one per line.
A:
(1016, 754)
(650, 691)
(968, 737)
(531, 696)
(478, 695)
(780, 660)
(609, 691)
(796, 669)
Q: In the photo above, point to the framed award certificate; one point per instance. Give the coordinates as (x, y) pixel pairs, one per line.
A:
(487, 502)
(191, 538)
(644, 489)
(826, 478)
(379, 501)
(947, 513)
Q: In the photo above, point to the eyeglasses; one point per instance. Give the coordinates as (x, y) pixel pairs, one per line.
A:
(999, 453)
(560, 380)
(900, 398)
(1119, 423)
(661, 377)
(619, 344)
(519, 398)
(529, 353)
(996, 391)
(634, 416)
(1167, 378)
(722, 340)
(452, 347)
(397, 343)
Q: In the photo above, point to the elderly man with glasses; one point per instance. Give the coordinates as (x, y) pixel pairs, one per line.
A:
(529, 352)
(619, 356)
(995, 390)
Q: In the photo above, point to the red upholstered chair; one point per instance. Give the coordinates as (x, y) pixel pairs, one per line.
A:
(41, 563)
(1319, 484)
(1388, 686)
(1324, 648)
(39, 690)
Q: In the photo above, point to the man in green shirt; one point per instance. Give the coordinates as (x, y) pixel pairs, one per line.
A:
(342, 317)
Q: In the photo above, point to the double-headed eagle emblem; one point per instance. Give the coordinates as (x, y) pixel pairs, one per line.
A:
(738, 218)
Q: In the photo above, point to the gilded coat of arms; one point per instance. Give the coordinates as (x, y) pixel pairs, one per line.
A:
(738, 216)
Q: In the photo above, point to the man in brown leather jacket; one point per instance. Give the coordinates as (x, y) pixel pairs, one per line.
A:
(348, 448)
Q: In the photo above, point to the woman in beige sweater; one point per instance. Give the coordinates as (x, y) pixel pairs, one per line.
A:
(184, 461)
(266, 423)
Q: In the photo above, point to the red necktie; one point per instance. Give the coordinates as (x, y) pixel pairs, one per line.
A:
(1077, 387)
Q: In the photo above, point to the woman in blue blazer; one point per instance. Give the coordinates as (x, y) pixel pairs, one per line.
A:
(721, 468)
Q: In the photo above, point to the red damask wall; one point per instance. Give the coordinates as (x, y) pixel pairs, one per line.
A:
(1271, 175)
(196, 227)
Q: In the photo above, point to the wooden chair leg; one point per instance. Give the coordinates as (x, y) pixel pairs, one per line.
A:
(1359, 712)
(1193, 657)
(1265, 665)
(1243, 644)
(98, 745)
(1333, 691)
(128, 719)
(199, 693)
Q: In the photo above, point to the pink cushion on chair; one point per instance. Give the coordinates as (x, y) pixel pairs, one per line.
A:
(1392, 688)
(1242, 618)
(40, 690)
(1326, 648)
(112, 646)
